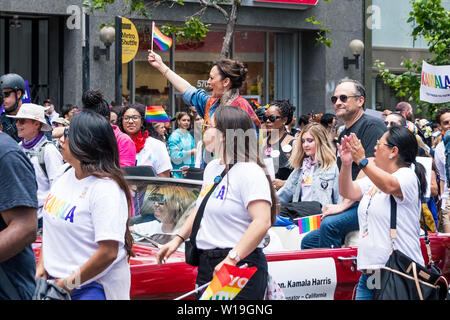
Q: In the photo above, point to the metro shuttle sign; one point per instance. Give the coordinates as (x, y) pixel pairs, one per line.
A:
(302, 2)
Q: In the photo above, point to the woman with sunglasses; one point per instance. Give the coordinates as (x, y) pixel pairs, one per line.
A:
(86, 242)
(394, 172)
(278, 144)
(239, 211)
(315, 175)
(149, 150)
(45, 157)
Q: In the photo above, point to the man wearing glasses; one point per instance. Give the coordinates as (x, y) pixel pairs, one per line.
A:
(13, 88)
(338, 220)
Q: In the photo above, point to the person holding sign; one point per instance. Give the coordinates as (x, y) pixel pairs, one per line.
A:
(239, 211)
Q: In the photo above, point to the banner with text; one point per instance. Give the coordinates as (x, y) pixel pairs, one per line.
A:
(435, 83)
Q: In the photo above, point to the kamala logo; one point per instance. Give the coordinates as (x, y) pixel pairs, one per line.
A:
(435, 81)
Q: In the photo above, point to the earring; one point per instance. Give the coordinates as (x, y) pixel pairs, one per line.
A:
(391, 156)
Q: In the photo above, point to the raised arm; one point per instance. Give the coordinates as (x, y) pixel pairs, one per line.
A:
(156, 62)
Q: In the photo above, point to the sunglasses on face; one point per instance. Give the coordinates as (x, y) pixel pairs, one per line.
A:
(7, 93)
(22, 121)
(342, 97)
(271, 118)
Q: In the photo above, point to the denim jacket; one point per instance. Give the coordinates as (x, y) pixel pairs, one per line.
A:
(325, 186)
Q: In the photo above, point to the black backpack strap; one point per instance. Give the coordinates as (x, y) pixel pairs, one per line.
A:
(201, 209)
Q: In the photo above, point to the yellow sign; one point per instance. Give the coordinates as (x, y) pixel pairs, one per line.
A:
(130, 40)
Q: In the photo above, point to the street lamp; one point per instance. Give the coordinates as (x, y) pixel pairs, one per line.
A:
(356, 47)
(107, 36)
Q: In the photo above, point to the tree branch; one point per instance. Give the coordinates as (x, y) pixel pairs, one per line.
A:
(216, 6)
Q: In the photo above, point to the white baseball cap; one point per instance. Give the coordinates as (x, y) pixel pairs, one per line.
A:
(34, 112)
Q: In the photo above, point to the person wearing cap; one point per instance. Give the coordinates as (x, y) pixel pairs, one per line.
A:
(13, 89)
(45, 157)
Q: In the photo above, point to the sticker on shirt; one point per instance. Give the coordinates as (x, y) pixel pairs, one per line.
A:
(58, 208)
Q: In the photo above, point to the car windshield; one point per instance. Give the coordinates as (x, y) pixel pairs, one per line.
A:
(161, 206)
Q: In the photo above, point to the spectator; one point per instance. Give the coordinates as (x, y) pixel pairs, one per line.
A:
(50, 111)
(315, 175)
(86, 244)
(68, 110)
(238, 217)
(18, 220)
(394, 119)
(348, 99)
(93, 100)
(303, 121)
(149, 151)
(45, 157)
(278, 145)
(443, 119)
(13, 88)
(393, 173)
(160, 131)
(113, 115)
(329, 121)
(406, 110)
(181, 144)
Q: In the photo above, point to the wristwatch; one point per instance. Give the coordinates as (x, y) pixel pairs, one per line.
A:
(234, 256)
(363, 163)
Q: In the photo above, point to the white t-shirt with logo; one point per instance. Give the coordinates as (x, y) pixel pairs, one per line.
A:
(226, 217)
(374, 214)
(154, 154)
(77, 215)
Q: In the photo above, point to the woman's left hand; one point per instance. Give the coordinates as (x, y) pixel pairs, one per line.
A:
(358, 152)
(278, 184)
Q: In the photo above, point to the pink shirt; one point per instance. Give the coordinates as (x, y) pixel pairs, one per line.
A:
(127, 149)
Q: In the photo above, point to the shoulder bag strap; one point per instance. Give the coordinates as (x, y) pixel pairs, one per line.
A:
(201, 209)
(393, 220)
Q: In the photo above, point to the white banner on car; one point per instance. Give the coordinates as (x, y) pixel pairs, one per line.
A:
(435, 83)
(308, 279)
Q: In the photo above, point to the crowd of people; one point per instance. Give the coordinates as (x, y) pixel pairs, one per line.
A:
(349, 162)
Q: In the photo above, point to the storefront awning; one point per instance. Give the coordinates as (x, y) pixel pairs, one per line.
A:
(291, 4)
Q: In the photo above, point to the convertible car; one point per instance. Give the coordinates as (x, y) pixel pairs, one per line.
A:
(161, 207)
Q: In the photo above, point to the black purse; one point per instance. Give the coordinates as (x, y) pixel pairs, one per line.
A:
(298, 210)
(192, 255)
(404, 279)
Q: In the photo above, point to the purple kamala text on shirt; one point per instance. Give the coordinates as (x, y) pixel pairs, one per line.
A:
(59, 208)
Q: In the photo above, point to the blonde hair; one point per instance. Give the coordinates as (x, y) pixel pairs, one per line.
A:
(325, 155)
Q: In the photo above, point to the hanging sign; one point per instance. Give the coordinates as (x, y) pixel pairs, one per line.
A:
(130, 40)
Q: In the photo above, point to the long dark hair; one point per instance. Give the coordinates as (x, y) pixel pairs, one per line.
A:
(92, 142)
(406, 143)
(235, 124)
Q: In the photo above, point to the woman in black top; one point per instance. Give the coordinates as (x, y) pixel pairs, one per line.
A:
(278, 144)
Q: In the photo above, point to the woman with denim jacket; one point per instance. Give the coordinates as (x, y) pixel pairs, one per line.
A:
(315, 176)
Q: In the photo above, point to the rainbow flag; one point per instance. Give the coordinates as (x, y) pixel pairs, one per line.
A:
(310, 223)
(162, 41)
(228, 282)
(156, 114)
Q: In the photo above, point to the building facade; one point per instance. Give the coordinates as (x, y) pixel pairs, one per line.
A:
(46, 43)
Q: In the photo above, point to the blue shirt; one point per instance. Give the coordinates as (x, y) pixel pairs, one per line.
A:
(179, 146)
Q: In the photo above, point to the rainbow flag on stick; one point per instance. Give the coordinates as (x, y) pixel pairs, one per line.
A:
(228, 282)
(310, 223)
(162, 41)
(156, 114)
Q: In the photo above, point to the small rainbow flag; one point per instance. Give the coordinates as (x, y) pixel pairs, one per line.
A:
(228, 282)
(255, 103)
(156, 114)
(162, 41)
(310, 223)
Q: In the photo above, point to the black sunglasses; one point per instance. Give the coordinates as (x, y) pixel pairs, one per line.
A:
(342, 97)
(271, 118)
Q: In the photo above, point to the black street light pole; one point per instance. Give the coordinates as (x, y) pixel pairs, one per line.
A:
(118, 58)
(85, 50)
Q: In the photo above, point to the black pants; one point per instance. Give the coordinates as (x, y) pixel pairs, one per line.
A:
(255, 287)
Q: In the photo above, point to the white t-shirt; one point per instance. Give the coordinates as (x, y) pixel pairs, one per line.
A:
(439, 159)
(77, 215)
(374, 214)
(154, 154)
(53, 162)
(226, 217)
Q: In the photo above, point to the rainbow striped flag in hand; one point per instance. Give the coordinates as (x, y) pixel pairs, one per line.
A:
(156, 114)
(310, 223)
(162, 41)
